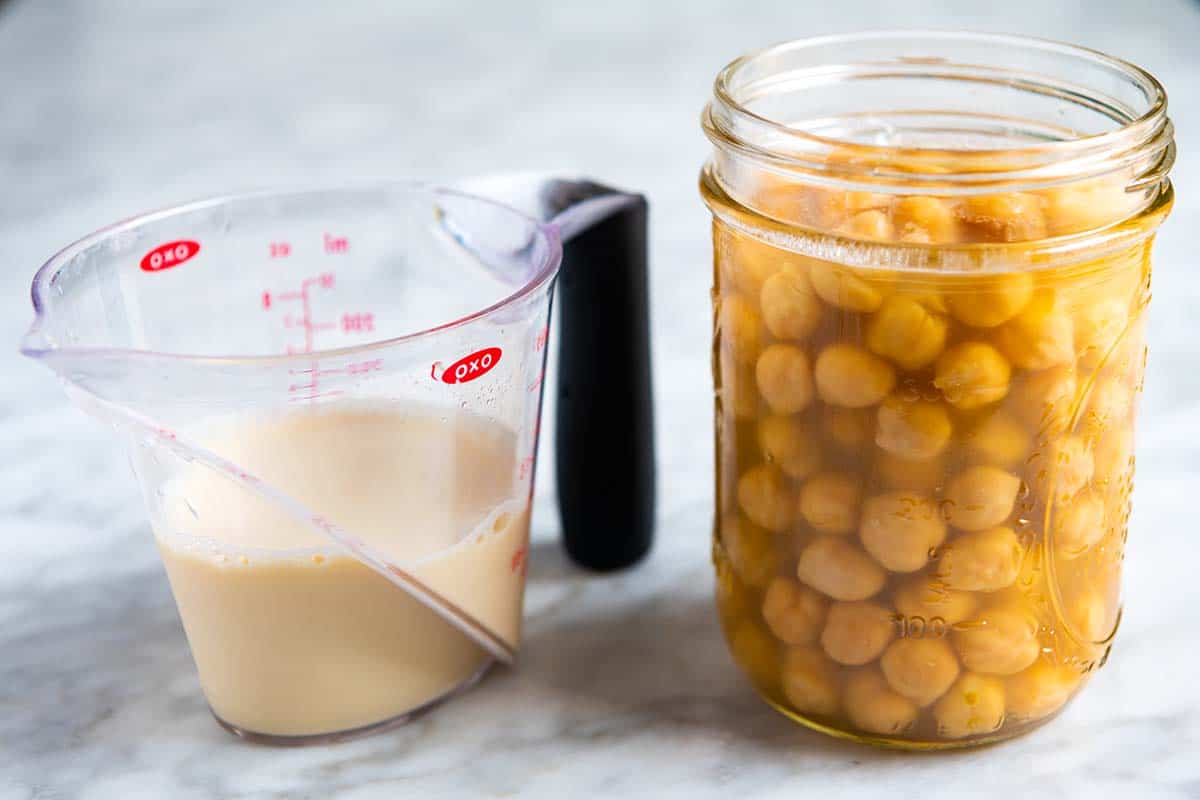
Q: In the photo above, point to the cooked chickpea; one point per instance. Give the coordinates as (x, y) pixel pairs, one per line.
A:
(899, 529)
(1089, 613)
(757, 652)
(924, 220)
(1040, 690)
(788, 443)
(1002, 640)
(765, 499)
(752, 552)
(1113, 460)
(974, 705)
(894, 472)
(1007, 217)
(793, 612)
(912, 428)
(993, 302)
(790, 307)
(849, 428)
(872, 224)
(1000, 440)
(983, 561)
(851, 377)
(835, 567)
(1062, 468)
(907, 333)
(829, 502)
(1080, 525)
(856, 633)
(873, 707)
(739, 390)
(1098, 325)
(980, 497)
(928, 599)
(972, 375)
(920, 669)
(841, 287)
(1083, 207)
(810, 681)
(746, 263)
(784, 378)
(739, 328)
(1041, 336)
(1110, 404)
(1045, 400)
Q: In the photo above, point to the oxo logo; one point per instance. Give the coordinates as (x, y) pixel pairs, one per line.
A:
(468, 368)
(168, 255)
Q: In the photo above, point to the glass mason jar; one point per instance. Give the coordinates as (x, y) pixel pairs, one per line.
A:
(932, 262)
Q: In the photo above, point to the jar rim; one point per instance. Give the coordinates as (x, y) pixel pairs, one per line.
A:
(728, 119)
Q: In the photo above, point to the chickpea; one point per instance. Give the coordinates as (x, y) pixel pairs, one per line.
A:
(1077, 208)
(1000, 440)
(1080, 525)
(1113, 460)
(1002, 640)
(1110, 404)
(974, 705)
(1045, 400)
(793, 612)
(829, 502)
(983, 561)
(1008, 217)
(894, 472)
(739, 329)
(900, 528)
(928, 599)
(856, 633)
(851, 377)
(835, 567)
(972, 375)
(746, 263)
(757, 652)
(1098, 326)
(920, 669)
(924, 220)
(784, 378)
(1062, 468)
(765, 499)
(874, 225)
(810, 681)
(912, 429)
(788, 443)
(790, 307)
(840, 287)
(1041, 336)
(865, 201)
(980, 497)
(1040, 690)
(873, 707)
(1090, 615)
(849, 428)
(994, 301)
(753, 553)
(907, 333)
(739, 391)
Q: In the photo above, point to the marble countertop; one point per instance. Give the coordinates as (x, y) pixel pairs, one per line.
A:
(624, 688)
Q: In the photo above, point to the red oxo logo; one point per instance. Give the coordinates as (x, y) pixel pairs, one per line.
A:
(468, 368)
(168, 255)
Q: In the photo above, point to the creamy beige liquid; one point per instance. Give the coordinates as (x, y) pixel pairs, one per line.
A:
(292, 637)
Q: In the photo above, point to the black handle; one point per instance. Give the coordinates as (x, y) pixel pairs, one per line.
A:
(605, 422)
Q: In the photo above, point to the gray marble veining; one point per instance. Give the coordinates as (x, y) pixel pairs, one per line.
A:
(623, 688)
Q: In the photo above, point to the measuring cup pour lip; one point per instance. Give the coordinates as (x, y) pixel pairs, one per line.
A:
(35, 346)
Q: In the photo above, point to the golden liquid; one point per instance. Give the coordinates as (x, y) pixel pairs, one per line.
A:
(963, 438)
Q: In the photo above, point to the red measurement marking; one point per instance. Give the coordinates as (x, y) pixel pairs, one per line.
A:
(360, 322)
(336, 244)
(363, 367)
(169, 255)
(526, 467)
(520, 561)
(470, 367)
(542, 336)
(266, 301)
(537, 382)
(280, 249)
(166, 433)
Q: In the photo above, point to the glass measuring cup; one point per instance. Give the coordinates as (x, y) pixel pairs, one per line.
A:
(332, 400)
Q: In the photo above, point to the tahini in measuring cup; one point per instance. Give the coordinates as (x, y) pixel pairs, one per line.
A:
(332, 400)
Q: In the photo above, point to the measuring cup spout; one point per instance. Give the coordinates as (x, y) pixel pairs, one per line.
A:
(604, 446)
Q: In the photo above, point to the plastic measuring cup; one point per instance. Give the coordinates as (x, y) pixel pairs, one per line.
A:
(315, 383)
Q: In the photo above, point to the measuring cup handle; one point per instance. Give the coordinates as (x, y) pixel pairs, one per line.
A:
(604, 450)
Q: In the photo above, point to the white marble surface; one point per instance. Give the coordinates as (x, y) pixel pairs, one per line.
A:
(624, 688)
